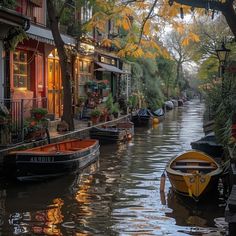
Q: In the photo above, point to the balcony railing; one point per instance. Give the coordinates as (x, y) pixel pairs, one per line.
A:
(19, 111)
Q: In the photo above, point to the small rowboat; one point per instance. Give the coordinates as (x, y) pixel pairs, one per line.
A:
(193, 174)
(209, 145)
(51, 160)
(121, 132)
(143, 117)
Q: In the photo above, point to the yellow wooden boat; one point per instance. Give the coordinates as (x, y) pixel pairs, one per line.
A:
(193, 174)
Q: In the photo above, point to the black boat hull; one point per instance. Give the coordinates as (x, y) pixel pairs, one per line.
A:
(38, 166)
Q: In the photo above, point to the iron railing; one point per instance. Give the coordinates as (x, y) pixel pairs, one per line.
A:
(19, 111)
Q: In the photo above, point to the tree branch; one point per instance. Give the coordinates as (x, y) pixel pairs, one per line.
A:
(145, 20)
(226, 8)
(215, 5)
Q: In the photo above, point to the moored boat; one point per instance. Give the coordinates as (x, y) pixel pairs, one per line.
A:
(209, 145)
(159, 113)
(193, 174)
(51, 160)
(120, 132)
(180, 102)
(168, 105)
(143, 117)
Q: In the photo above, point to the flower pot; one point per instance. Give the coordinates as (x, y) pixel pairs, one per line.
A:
(39, 116)
(35, 135)
(103, 117)
(95, 119)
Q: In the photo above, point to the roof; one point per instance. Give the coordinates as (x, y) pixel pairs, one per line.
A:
(110, 68)
(44, 35)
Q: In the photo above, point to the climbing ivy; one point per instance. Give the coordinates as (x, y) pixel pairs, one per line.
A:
(15, 36)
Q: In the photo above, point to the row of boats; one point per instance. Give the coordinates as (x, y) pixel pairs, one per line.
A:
(69, 156)
(56, 159)
(192, 173)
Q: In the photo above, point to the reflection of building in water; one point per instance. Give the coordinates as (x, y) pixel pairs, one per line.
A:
(40, 222)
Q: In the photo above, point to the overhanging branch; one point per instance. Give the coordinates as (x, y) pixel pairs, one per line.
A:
(214, 5)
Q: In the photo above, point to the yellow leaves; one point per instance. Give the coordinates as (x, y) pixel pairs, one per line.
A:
(99, 21)
(116, 42)
(142, 5)
(127, 11)
(132, 50)
(180, 28)
(106, 42)
(185, 42)
(121, 53)
(190, 37)
(150, 55)
(125, 23)
(138, 52)
(194, 37)
(146, 28)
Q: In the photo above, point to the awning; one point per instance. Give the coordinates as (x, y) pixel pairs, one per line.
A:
(44, 35)
(106, 67)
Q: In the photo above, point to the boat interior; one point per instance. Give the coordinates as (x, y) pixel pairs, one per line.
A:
(193, 166)
(73, 145)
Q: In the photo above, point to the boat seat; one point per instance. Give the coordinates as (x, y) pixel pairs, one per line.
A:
(192, 161)
(194, 167)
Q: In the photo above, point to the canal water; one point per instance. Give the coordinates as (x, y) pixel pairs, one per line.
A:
(119, 194)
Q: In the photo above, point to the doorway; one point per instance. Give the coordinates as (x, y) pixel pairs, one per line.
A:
(54, 86)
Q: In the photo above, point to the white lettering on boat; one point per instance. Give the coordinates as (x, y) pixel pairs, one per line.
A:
(42, 159)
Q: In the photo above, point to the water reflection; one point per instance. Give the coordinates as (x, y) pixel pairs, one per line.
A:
(38, 222)
(119, 194)
(200, 217)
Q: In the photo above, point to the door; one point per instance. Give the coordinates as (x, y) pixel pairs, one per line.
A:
(54, 88)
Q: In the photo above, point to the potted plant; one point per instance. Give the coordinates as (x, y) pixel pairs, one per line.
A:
(38, 113)
(109, 105)
(5, 135)
(95, 115)
(115, 110)
(79, 107)
(104, 115)
(35, 129)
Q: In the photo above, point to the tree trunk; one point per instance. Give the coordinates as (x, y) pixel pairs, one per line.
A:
(65, 65)
(178, 73)
(230, 16)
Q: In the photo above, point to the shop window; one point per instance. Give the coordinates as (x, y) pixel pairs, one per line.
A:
(85, 66)
(20, 70)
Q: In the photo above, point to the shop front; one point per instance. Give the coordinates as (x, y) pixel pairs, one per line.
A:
(9, 20)
(107, 69)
